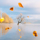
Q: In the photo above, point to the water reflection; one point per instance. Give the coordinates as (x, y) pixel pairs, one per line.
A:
(20, 31)
(4, 28)
(26, 32)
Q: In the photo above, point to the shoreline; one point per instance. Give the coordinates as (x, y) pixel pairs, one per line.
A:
(22, 24)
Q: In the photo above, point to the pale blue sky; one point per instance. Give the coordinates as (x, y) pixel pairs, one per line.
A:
(31, 8)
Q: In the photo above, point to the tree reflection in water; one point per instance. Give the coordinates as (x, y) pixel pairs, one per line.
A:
(4, 28)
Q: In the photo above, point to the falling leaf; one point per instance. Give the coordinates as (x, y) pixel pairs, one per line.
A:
(20, 5)
(28, 16)
(19, 30)
(12, 8)
(20, 36)
(35, 33)
(8, 28)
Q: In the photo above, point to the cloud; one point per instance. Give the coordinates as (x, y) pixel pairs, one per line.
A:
(32, 16)
(34, 4)
(26, 3)
(9, 2)
(30, 6)
(20, 11)
(37, 10)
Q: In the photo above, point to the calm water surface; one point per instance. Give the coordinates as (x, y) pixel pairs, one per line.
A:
(13, 33)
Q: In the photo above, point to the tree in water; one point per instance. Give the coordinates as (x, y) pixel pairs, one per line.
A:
(21, 19)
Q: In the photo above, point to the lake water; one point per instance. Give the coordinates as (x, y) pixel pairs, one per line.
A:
(13, 33)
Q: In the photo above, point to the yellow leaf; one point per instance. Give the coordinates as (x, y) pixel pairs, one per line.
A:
(28, 16)
(12, 8)
(20, 5)
(20, 36)
(35, 33)
(19, 29)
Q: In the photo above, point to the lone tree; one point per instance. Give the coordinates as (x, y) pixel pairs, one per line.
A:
(21, 18)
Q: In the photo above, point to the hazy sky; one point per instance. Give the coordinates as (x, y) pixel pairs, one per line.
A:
(31, 8)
